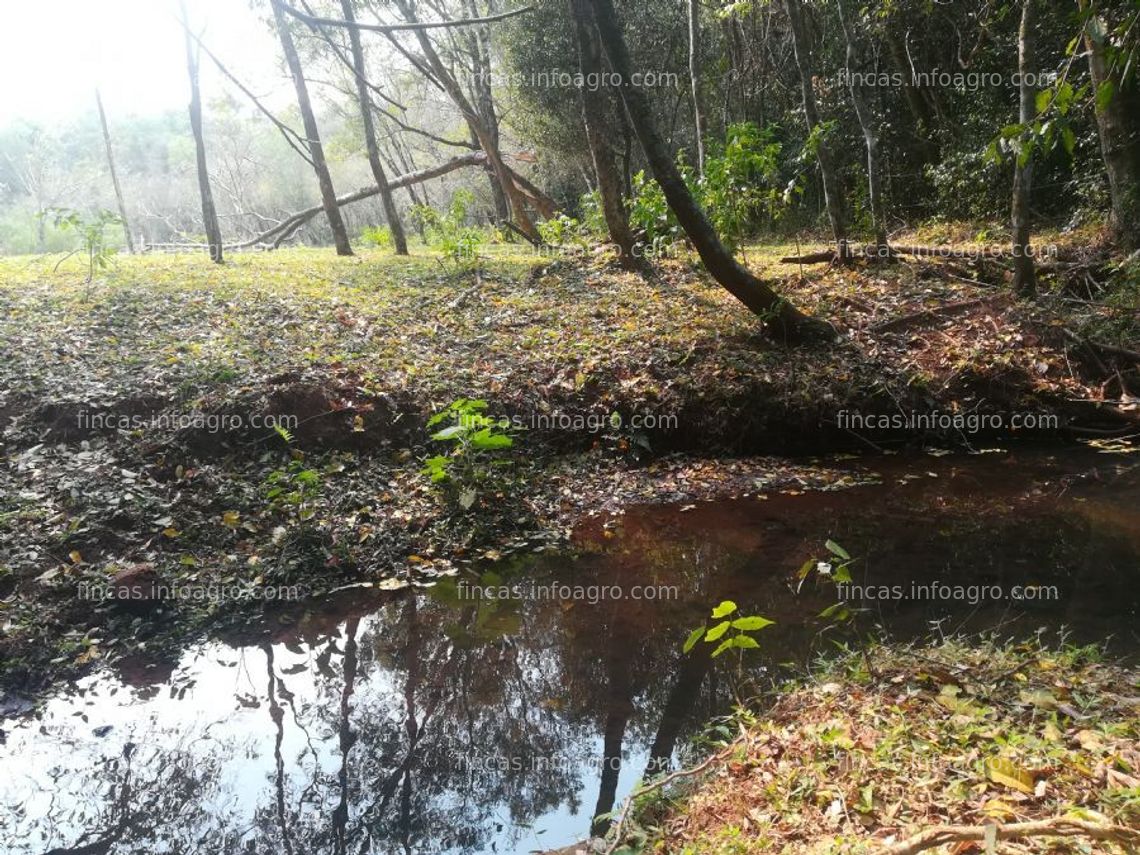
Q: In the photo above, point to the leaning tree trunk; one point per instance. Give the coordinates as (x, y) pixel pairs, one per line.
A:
(209, 211)
(399, 239)
(1118, 125)
(756, 295)
(475, 122)
(1024, 275)
(831, 195)
(312, 133)
(870, 137)
(598, 136)
(114, 172)
(695, 80)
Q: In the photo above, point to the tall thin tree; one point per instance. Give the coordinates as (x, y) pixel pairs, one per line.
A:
(114, 172)
(598, 135)
(399, 240)
(1117, 91)
(1024, 274)
(869, 126)
(695, 81)
(209, 211)
(801, 45)
(312, 133)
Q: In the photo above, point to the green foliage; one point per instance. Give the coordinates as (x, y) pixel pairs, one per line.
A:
(649, 212)
(92, 232)
(835, 567)
(728, 633)
(562, 229)
(292, 490)
(741, 181)
(593, 218)
(476, 441)
(449, 231)
(377, 236)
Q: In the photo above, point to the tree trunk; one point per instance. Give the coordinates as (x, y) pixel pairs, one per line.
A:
(695, 80)
(870, 130)
(598, 135)
(399, 240)
(1118, 124)
(831, 194)
(114, 172)
(209, 211)
(312, 133)
(1024, 276)
(778, 313)
(483, 134)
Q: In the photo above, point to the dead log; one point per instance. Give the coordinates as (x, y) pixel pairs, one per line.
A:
(276, 235)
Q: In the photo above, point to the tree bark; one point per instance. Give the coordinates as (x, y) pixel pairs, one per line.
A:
(695, 79)
(312, 133)
(1118, 125)
(483, 134)
(831, 194)
(114, 172)
(778, 313)
(1024, 275)
(209, 211)
(399, 239)
(598, 136)
(870, 130)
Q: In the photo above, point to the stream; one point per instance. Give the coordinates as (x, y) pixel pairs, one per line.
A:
(442, 720)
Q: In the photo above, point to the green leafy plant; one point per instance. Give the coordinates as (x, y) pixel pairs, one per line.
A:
(562, 229)
(92, 233)
(835, 568)
(377, 236)
(740, 186)
(648, 210)
(728, 633)
(293, 488)
(476, 441)
(449, 232)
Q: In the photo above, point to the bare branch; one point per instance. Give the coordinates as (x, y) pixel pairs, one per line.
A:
(294, 139)
(289, 226)
(312, 20)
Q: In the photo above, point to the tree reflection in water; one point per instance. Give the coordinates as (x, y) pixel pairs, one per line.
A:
(426, 723)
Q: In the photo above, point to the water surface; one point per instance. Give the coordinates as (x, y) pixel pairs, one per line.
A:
(431, 722)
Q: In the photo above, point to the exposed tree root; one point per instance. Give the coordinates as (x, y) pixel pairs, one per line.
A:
(873, 252)
(1057, 827)
(928, 314)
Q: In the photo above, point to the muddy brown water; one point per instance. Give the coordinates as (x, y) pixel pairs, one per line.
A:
(441, 721)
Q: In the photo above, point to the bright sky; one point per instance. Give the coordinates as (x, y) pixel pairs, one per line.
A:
(52, 55)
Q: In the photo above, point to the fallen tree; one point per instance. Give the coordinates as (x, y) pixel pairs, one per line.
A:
(285, 229)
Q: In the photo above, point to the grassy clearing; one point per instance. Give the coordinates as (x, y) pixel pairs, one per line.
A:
(955, 734)
(110, 465)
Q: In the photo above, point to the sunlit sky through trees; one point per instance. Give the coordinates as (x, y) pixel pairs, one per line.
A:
(53, 55)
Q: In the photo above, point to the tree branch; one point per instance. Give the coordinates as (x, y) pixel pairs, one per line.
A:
(313, 20)
(280, 232)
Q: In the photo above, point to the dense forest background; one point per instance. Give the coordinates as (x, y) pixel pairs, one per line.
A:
(938, 79)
